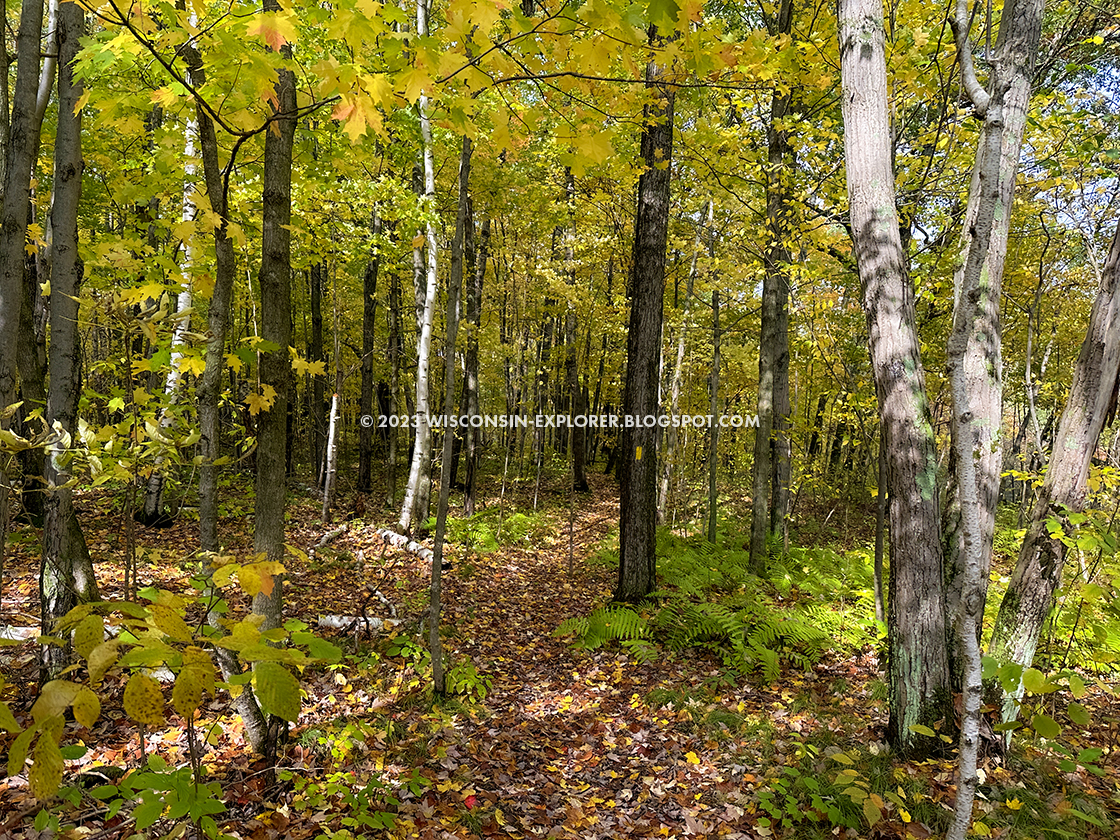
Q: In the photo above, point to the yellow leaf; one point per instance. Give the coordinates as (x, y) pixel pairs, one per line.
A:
(262, 401)
(692, 758)
(418, 241)
(82, 100)
(143, 700)
(1013, 804)
(274, 28)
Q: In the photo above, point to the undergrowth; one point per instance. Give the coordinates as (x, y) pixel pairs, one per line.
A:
(814, 601)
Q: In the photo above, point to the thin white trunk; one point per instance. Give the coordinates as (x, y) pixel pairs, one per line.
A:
(332, 461)
(416, 493)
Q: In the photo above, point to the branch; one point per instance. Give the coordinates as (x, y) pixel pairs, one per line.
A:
(961, 24)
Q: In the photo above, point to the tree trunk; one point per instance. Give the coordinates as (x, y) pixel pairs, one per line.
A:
(983, 249)
(62, 541)
(455, 283)
(473, 313)
(369, 348)
(675, 383)
(1038, 572)
(276, 328)
(317, 274)
(414, 509)
(918, 660)
(713, 430)
(23, 142)
(637, 568)
(770, 467)
(394, 385)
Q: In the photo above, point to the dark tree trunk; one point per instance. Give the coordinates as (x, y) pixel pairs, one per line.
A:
(66, 573)
(318, 383)
(637, 568)
(369, 348)
(473, 312)
(276, 328)
(770, 468)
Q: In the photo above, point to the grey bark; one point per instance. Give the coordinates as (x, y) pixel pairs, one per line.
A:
(369, 348)
(1038, 572)
(473, 313)
(713, 431)
(918, 666)
(637, 568)
(770, 466)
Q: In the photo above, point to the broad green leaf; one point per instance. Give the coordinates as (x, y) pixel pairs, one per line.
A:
(1076, 687)
(1034, 681)
(143, 700)
(89, 633)
(170, 622)
(8, 720)
(277, 690)
(101, 659)
(147, 812)
(87, 708)
(1046, 727)
(1078, 714)
(45, 775)
(17, 753)
(922, 730)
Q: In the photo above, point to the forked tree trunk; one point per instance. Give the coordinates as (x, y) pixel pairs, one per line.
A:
(984, 246)
(637, 568)
(918, 659)
(1038, 572)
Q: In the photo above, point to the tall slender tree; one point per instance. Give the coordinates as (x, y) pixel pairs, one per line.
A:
(637, 568)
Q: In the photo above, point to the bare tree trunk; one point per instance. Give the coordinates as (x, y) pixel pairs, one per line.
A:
(770, 467)
(369, 337)
(637, 568)
(462, 222)
(713, 430)
(675, 383)
(983, 249)
(1038, 573)
(917, 635)
(62, 541)
(473, 312)
(317, 274)
(416, 495)
(276, 328)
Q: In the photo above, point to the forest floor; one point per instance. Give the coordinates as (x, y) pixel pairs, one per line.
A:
(544, 740)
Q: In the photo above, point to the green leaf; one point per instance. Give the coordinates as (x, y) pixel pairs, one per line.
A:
(1046, 727)
(147, 813)
(17, 753)
(143, 700)
(7, 720)
(1076, 687)
(277, 690)
(45, 775)
(89, 633)
(87, 708)
(1034, 681)
(922, 730)
(1078, 714)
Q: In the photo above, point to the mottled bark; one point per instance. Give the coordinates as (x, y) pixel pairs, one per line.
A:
(918, 666)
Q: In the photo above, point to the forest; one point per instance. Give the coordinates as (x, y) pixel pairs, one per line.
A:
(559, 418)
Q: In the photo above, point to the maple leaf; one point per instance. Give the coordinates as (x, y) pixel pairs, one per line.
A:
(262, 401)
(274, 28)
